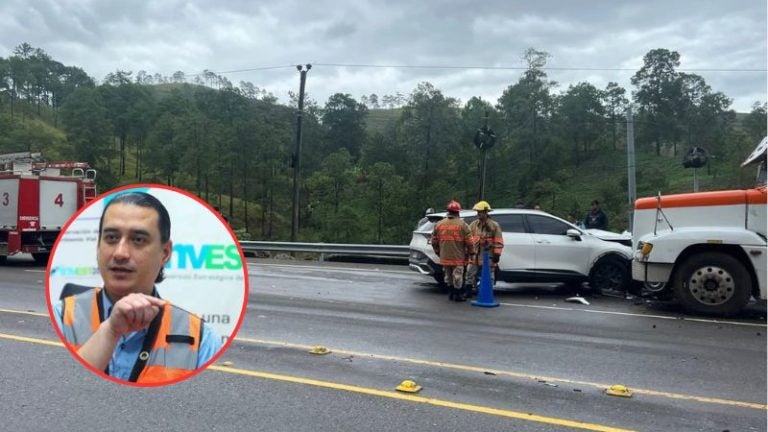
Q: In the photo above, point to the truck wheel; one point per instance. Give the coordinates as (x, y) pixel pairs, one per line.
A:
(41, 258)
(713, 283)
(609, 274)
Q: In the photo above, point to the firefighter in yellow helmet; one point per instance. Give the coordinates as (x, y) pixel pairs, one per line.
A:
(486, 235)
(452, 242)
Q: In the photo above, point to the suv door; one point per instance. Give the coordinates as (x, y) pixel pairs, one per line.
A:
(517, 263)
(557, 256)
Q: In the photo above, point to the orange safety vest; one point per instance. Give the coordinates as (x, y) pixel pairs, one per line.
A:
(170, 345)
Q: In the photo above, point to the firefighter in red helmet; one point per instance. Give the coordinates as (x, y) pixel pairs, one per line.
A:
(452, 242)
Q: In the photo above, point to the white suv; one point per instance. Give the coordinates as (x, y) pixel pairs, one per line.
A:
(539, 247)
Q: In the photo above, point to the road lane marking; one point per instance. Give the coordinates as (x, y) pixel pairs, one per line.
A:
(35, 271)
(23, 312)
(597, 311)
(421, 399)
(380, 393)
(31, 340)
(674, 318)
(467, 368)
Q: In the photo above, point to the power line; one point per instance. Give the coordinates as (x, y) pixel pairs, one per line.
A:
(257, 69)
(565, 68)
(253, 69)
(469, 67)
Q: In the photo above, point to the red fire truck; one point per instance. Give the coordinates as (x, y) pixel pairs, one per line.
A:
(36, 200)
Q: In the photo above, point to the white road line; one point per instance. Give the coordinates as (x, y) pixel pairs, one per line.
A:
(704, 320)
(408, 272)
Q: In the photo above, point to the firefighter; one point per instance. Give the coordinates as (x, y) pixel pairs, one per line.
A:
(452, 242)
(486, 235)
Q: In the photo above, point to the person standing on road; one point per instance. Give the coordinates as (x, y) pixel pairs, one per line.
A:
(486, 236)
(452, 242)
(596, 218)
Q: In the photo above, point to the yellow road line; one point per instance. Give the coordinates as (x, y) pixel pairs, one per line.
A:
(32, 340)
(24, 312)
(382, 393)
(600, 386)
(420, 399)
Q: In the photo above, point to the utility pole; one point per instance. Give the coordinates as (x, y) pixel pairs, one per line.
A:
(296, 159)
(631, 189)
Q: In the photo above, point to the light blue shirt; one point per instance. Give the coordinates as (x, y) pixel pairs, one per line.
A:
(128, 347)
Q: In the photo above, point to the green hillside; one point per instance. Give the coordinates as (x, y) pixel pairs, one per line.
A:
(366, 173)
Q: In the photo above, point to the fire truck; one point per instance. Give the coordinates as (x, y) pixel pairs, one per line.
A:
(707, 250)
(36, 200)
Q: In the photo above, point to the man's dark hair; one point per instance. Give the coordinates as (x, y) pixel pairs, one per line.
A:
(595, 202)
(143, 199)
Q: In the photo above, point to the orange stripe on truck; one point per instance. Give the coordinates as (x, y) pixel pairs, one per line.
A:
(704, 199)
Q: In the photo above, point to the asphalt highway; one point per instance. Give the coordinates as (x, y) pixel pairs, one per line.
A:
(535, 363)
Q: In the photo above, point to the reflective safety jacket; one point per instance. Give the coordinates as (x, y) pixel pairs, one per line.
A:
(170, 345)
(451, 241)
(486, 236)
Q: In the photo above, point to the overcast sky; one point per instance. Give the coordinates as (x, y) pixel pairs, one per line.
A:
(469, 48)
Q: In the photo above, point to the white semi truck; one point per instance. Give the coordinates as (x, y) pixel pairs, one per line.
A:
(706, 250)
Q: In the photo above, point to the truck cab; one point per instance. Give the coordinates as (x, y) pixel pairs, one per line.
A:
(706, 250)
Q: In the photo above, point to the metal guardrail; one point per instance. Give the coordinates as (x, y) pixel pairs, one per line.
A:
(327, 249)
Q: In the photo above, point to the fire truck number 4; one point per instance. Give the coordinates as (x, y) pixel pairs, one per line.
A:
(6, 200)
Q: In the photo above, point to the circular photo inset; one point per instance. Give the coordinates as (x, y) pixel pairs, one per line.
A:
(147, 285)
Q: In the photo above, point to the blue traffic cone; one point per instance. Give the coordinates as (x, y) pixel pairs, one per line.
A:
(485, 293)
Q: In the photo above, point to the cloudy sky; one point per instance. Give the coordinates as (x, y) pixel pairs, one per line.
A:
(464, 48)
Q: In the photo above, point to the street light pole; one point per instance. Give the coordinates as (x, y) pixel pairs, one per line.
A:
(483, 158)
(631, 188)
(296, 160)
(484, 139)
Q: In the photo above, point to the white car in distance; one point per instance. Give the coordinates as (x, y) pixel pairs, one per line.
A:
(539, 247)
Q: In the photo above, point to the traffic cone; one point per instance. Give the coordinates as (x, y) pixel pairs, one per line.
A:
(485, 293)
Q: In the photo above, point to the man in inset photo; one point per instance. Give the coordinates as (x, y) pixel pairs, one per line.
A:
(125, 328)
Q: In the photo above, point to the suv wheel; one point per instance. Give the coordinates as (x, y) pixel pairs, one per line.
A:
(610, 273)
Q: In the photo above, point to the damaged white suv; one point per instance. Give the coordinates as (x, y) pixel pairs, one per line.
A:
(539, 247)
